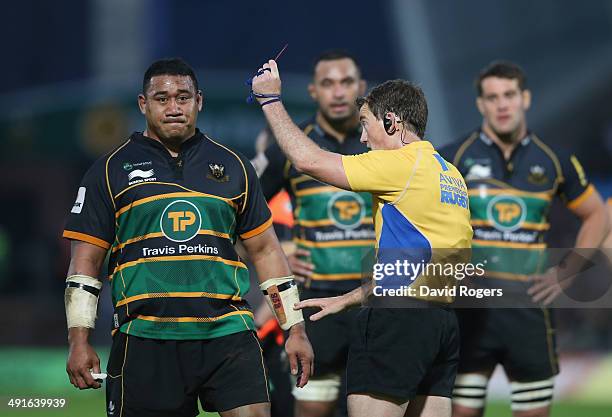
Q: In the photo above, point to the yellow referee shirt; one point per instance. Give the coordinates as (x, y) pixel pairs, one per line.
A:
(420, 203)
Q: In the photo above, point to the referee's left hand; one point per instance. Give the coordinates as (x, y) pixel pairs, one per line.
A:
(328, 305)
(300, 354)
(267, 80)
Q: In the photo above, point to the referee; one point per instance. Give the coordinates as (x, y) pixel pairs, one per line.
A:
(167, 207)
(401, 360)
(333, 228)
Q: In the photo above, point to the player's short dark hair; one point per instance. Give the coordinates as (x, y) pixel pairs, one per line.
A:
(401, 97)
(501, 69)
(333, 55)
(168, 66)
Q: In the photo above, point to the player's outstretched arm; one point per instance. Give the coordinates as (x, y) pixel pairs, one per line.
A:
(81, 301)
(332, 305)
(303, 153)
(279, 288)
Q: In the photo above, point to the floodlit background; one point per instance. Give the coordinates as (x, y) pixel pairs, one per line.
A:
(71, 71)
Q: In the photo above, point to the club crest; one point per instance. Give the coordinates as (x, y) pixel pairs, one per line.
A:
(217, 172)
(537, 175)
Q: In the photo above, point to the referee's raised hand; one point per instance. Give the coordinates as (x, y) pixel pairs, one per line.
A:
(267, 82)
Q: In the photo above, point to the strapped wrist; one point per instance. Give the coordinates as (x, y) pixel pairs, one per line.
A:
(281, 294)
(81, 300)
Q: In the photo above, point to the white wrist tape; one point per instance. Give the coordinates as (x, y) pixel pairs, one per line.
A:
(81, 300)
(281, 294)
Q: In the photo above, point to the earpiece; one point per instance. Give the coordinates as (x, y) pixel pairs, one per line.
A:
(388, 123)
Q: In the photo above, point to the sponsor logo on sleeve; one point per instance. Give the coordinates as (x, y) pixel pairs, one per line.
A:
(579, 170)
(80, 201)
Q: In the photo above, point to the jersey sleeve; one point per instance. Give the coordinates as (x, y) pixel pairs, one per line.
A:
(376, 172)
(575, 187)
(272, 177)
(92, 217)
(254, 216)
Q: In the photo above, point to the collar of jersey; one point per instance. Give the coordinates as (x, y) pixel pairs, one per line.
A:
(355, 133)
(147, 141)
(418, 144)
(488, 141)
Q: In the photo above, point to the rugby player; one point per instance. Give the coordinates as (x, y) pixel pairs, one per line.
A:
(512, 177)
(168, 206)
(401, 359)
(333, 228)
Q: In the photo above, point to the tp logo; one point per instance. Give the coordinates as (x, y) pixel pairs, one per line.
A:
(180, 221)
(507, 212)
(346, 209)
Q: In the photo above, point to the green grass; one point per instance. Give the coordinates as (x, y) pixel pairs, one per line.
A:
(40, 373)
(560, 409)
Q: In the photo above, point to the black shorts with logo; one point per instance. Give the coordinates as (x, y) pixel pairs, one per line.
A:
(522, 340)
(330, 337)
(404, 352)
(155, 378)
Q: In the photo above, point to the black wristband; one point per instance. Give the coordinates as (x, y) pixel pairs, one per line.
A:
(88, 288)
(282, 287)
(274, 100)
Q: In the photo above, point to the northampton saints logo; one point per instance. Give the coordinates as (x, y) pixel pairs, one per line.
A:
(507, 212)
(180, 221)
(346, 209)
(217, 172)
(537, 175)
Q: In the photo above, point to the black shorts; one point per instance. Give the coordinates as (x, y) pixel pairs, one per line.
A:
(152, 377)
(522, 340)
(404, 352)
(330, 337)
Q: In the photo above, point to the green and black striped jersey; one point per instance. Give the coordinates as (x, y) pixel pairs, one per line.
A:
(170, 225)
(510, 199)
(336, 226)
